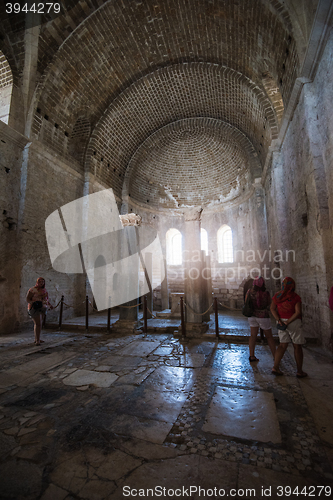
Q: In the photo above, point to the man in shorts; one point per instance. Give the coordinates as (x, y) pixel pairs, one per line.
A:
(38, 300)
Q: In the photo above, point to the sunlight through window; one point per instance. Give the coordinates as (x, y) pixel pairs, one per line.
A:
(174, 247)
(224, 244)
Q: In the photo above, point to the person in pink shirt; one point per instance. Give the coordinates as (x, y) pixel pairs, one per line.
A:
(38, 300)
(286, 308)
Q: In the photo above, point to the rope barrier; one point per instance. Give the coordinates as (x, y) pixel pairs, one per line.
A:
(94, 309)
(130, 307)
(54, 307)
(92, 306)
(199, 314)
(228, 307)
(61, 301)
(153, 315)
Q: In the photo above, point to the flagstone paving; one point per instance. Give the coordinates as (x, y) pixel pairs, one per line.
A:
(100, 416)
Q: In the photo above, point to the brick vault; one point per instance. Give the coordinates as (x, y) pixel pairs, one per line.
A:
(224, 105)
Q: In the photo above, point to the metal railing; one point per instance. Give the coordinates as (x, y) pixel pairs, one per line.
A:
(183, 305)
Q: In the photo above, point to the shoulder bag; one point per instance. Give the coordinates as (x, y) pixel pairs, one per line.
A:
(247, 309)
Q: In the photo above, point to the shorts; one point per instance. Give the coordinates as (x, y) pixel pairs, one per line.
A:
(293, 333)
(264, 323)
(35, 312)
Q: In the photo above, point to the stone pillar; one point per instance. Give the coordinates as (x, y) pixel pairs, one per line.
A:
(207, 284)
(194, 296)
(149, 272)
(164, 286)
(263, 248)
(128, 315)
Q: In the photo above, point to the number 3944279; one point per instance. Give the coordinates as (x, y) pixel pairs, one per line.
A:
(35, 8)
(306, 491)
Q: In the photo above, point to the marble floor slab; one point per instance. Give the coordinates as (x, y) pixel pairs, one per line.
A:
(243, 413)
(87, 377)
(221, 423)
(139, 348)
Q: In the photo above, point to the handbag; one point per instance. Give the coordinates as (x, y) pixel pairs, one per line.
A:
(247, 309)
(38, 304)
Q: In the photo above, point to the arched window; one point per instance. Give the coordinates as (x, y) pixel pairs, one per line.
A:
(204, 240)
(224, 244)
(6, 87)
(174, 247)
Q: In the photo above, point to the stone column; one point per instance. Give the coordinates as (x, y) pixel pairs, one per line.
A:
(164, 286)
(149, 272)
(207, 284)
(263, 249)
(128, 315)
(194, 296)
(132, 280)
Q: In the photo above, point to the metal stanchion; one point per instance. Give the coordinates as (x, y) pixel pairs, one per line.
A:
(216, 318)
(109, 320)
(61, 310)
(87, 312)
(182, 316)
(108, 327)
(145, 328)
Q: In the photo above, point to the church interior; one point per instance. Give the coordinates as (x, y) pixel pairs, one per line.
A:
(155, 155)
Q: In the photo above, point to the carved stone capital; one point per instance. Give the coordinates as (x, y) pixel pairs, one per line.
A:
(130, 220)
(193, 214)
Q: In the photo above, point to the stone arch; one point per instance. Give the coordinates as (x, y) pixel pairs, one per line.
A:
(273, 92)
(6, 88)
(173, 240)
(195, 90)
(161, 174)
(224, 244)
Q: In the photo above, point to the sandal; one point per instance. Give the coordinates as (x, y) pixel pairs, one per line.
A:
(278, 373)
(252, 359)
(301, 375)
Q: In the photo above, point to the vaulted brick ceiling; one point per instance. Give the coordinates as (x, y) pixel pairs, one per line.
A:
(130, 69)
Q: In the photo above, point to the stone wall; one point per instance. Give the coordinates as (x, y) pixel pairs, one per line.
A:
(300, 200)
(12, 153)
(34, 183)
(152, 35)
(252, 253)
(250, 244)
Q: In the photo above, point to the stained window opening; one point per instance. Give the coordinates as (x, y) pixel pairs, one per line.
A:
(174, 247)
(225, 245)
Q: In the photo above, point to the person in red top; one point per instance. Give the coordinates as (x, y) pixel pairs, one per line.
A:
(38, 300)
(286, 308)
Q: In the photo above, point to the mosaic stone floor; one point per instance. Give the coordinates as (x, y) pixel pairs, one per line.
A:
(97, 416)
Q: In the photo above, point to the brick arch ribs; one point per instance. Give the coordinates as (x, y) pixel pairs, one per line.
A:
(170, 94)
(196, 161)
